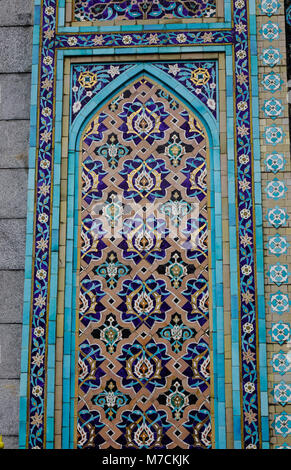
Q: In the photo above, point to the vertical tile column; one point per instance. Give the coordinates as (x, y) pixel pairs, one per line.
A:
(275, 168)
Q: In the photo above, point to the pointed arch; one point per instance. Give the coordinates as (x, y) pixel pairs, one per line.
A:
(211, 127)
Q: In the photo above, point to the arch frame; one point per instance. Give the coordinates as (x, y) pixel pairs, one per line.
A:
(215, 266)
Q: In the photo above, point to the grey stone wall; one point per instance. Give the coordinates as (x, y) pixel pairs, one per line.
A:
(15, 66)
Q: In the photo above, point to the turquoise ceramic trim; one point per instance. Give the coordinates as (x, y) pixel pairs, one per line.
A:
(262, 334)
(29, 234)
(50, 406)
(235, 327)
(75, 134)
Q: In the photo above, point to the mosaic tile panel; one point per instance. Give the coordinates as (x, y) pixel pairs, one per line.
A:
(144, 375)
(108, 10)
(240, 39)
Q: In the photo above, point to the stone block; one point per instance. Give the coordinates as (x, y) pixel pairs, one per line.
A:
(10, 347)
(12, 243)
(13, 191)
(16, 12)
(14, 96)
(10, 442)
(9, 409)
(11, 296)
(14, 144)
(15, 49)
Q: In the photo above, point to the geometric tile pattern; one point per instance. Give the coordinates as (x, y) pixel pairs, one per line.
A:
(282, 424)
(152, 394)
(281, 362)
(279, 302)
(278, 274)
(275, 162)
(277, 245)
(269, 7)
(277, 217)
(270, 31)
(282, 393)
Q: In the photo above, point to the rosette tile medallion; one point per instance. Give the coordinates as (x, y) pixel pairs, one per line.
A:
(144, 369)
(100, 10)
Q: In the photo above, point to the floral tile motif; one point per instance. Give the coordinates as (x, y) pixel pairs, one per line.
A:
(270, 7)
(274, 135)
(270, 31)
(108, 10)
(276, 189)
(275, 162)
(280, 332)
(282, 393)
(279, 303)
(272, 82)
(197, 76)
(155, 146)
(277, 217)
(273, 108)
(277, 245)
(163, 38)
(282, 424)
(88, 80)
(271, 56)
(281, 362)
(279, 274)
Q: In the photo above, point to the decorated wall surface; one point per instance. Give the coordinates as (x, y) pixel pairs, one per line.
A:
(156, 296)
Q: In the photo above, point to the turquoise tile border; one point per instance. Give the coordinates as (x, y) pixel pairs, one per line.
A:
(75, 133)
(235, 327)
(29, 231)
